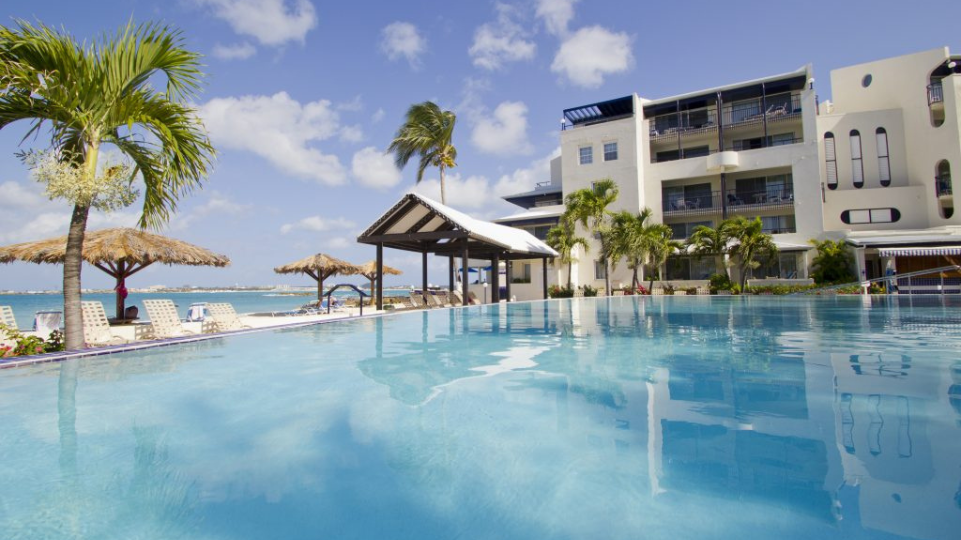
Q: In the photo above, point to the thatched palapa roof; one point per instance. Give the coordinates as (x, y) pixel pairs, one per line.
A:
(369, 270)
(131, 246)
(319, 264)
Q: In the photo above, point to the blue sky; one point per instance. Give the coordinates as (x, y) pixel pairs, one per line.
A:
(303, 96)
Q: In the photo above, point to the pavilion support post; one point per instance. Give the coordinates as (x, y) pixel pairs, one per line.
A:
(544, 275)
(121, 307)
(380, 276)
(424, 275)
(450, 274)
(465, 269)
(507, 278)
(496, 279)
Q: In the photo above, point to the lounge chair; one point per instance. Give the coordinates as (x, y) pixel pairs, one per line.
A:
(456, 299)
(473, 299)
(702, 291)
(619, 292)
(578, 293)
(96, 327)
(419, 300)
(223, 317)
(6, 317)
(657, 291)
(733, 200)
(680, 292)
(433, 300)
(442, 299)
(164, 319)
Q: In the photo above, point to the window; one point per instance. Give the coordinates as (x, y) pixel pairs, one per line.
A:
(610, 151)
(866, 81)
(870, 215)
(600, 270)
(540, 232)
(884, 163)
(685, 230)
(586, 155)
(527, 272)
(685, 268)
(696, 196)
(830, 161)
(778, 224)
(783, 266)
(857, 167)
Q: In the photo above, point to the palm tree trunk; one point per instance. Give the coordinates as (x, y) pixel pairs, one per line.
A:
(634, 278)
(72, 263)
(607, 277)
(443, 190)
(570, 268)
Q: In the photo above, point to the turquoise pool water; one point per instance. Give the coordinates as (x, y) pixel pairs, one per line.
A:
(589, 418)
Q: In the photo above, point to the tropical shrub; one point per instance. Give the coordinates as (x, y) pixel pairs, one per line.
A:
(556, 291)
(832, 264)
(720, 282)
(589, 291)
(27, 345)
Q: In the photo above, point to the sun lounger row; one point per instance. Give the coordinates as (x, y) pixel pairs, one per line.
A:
(435, 299)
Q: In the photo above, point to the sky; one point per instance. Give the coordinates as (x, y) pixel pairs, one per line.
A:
(302, 97)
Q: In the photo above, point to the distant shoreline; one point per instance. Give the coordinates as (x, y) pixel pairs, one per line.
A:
(202, 290)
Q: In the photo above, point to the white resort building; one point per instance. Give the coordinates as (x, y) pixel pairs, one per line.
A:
(872, 167)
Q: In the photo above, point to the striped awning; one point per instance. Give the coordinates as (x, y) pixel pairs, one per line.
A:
(919, 251)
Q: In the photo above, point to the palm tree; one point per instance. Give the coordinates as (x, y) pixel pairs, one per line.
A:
(588, 207)
(711, 242)
(753, 245)
(660, 246)
(563, 238)
(629, 239)
(427, 132)
(102, 95)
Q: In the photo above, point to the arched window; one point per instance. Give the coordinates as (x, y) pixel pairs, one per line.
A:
(944, 189)
(884, 162)
(830, 160)
(857, 167)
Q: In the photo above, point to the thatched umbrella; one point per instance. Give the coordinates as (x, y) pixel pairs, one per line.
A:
(120, 253)
(319, 267)
(369, 271)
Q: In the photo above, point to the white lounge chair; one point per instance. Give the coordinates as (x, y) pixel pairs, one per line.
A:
(702, 290)
(164, 319)
(419, 301)
(618, 292)
(456, 299)
(472, 298)
(6, 317)
(578, 293)
(223, 317)
(96, 327)
(657, 291)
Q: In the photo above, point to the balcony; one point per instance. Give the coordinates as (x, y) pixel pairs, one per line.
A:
(689, 123)
(935, 93)
(738, 202)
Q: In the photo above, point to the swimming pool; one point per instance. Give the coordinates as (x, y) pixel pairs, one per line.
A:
(653, 417)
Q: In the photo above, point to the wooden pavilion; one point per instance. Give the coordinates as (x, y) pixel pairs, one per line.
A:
(422, 225)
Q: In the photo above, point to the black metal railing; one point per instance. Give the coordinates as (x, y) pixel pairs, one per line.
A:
(736, 146)
(779, 196)
(773, 108)
(942, 185)
(935, 93)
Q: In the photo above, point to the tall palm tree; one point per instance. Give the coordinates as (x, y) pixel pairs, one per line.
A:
(660, 246)
(563, 238)
(711, 242)
(752, 245)
(98, 95)
(629, 238)
(428, 132)
(588, 207)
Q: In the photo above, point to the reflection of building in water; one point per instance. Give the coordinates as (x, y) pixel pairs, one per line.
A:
(747, 433)
(892, 418)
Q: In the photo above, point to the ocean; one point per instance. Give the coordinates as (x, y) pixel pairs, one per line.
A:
(25, 306)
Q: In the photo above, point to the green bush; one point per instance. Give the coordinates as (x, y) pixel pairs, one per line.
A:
(27, 345)
(556, 291)
(589, 291)
(833, 262)
(720, 282)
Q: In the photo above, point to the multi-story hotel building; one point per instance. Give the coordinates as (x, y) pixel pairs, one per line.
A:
(872, 166)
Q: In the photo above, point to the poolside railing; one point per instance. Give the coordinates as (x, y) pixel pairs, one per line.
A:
(909, 283)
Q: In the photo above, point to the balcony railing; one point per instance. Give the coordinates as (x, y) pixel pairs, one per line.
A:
(773, 108)
(773, 197)
(736, 146)
(935, 93)
(942, 186)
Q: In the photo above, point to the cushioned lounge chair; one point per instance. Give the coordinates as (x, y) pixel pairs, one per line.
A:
(6, 317)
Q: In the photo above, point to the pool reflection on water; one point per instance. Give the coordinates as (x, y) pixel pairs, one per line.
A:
(586, 418)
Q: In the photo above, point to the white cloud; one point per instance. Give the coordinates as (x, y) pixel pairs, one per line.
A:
(526, 179)
(354, 105)
(556, 14)
(271, 22)
(279, 129)
(401, 39)
(373, 168)
(237, 51)
(500, 42)
(217, 203)
(378, 116)
(592, 53)
(318, 224)
(470, 192)
(352, 133)
(504, 132)
(15, 195)
(338, 242)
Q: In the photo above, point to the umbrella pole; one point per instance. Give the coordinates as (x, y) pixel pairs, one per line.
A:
(320, 287)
